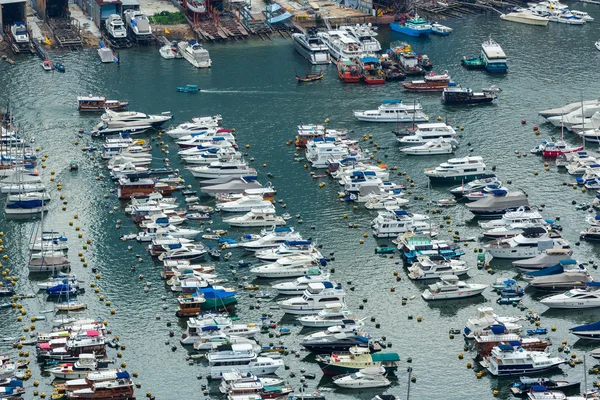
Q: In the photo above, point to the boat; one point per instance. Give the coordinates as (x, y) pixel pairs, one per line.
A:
(273, 238)
(245, 204)
(485, 319)
(19, 36)
(433, 147)
(465, 96)
(525, 384)
(168, 52)
(221, 169)
(348, 71)
(458, 169)
(138, 25)
(241, 358)
(120, 388)
(425, 133)
(256, 218)
(546, 258)
(524, 16)
(311, 47)
(431, 83)
(183, 251)
(472, 62)
(47, 65)
(523, 214)
(115, 27)
(201, 125)
(393, 110)
(356, 359)
(373, 377)
(450, 287)
(195, 54)
(132, 116)
(588, 331)
(288, 267)
(396, 222)
(315, 298)
(555, 149)
(99, 103)
(332, 315)
(58, 66)
(498, 203)
(370, 69)
(120, 127)
(440, 30)
(70, 305)
(210, 322)
(341, 45)
(493, 57)
(310, 77)
(530, 243)
(507, 359)
(415, 26)
(569, 279)
(365, 34)
(435, 266)
(583, 15)
(298, 286)
(386, 202)
(85, 364)
(578, 298)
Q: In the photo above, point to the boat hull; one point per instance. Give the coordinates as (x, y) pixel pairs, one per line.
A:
(427, 295)
(314, 57)
(409, 31)
(459, 178)
(329, 369)
(538, 21)
(522, 369)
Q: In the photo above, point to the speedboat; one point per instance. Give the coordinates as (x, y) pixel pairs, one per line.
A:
(220, 169)
(373, 377)
(298, 286)
(183, 251)
(524, 16)
(524, 386)
(119, 127)
(243, 357)
(256, 218)
(206, 140)
(338, 338)
(576, 298)
(530, 243)
(450, 287)
(492, 189)
(315, 298)
(189, 128)
(393, 111)
(287, 267)
(195, 54)
(311, 47)
(476, 185)
(133, 116)
(273, 238)
(588, 331)
(433, 147)
(245, 204)
(386, 202)
(507, 359)
(116, 27)
(441, 30)
(138, 24)
(332, 315)
(434, 267)
(458, 169)
(291, 248)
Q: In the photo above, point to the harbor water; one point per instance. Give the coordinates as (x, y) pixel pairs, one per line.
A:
(252, 85)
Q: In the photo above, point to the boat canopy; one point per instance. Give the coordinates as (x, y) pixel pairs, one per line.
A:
(400, 212)
(362, 339)
(298, 243)
(328, 285)
(539, 388)
(123, 375)
(593, 283)
(569, 261)
(392, 101)
(210, 328)
(212, 293)
(379, 357)
(533, 231)
(505, 347)
(369, 59)
(497, 329)
(589, 327)
(553, 270)
(282, 229)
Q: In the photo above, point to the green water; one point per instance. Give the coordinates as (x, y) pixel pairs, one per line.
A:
(252, 86)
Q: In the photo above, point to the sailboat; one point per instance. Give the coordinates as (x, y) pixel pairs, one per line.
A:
(553, 150)
(48, 258)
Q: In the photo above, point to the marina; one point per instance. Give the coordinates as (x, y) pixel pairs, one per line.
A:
(187, 225)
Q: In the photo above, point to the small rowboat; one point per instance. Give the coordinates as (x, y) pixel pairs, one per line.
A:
(309, 77)
(47, 66)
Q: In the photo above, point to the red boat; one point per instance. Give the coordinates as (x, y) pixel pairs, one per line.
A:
(372, 73)
(348, 71)
(553, 150)
(431, 83)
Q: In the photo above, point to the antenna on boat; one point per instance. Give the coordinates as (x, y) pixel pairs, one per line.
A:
(409, 370)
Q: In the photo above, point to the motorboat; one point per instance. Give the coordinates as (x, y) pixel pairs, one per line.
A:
(24, 207)
(545, 259)
(450, 287)
(365, 34)
(167, 52)
(85, 364)
(190, 128)
(507, 359)
(194, 53)
(20, 36)
(152, 231)
(524, 386)
(583, 15)
(434, 267)
(433, 147)
(415, 26)
(315, 298)
(589, 297)
(586, 124)
(512, 230)
(466, 96)
(220, 169)
(211, 155)
(138, 24)
(588, 331)
(273, 238)
(206, 139)
(570, 279)
(355, 359)
(185, 251)
(524, 16)
(48, 261)
(575, 117)
(440, 30)
(196, 327)
(213, 339)
(498, 203)
(290, 248)
(373, 377)
(393, 110)
(493, 57)
(523, 214)
(120, 127)
(458, 169)
(245, 204)
(133, 116)
(115, 27)
(341, 45)
(475, 185)
(242, 358)
(332, 315)
(234, 383)
(485, 318)
(339, 338)
(288, 267)
(432, 82)
(386, 202)
(232, 185)
(396, 222)
(299, 285)
(311, 47)
(529, 244)
(256, 218)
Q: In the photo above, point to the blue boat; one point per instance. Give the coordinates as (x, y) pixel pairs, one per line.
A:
(188, 89)
(61, 289)
(58, 66)
(589, 331)
(537, 331)
(415, 27)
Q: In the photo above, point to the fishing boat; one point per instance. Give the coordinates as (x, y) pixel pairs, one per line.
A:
(356, 359)
(431, 83)
(507, 359)
(373, 377)
(393, 110)
(450, 287)
(465, 96)
(370, 69)
(415, 26)
(310, 77)
(348, 71)
(493, 57)
(458, 169)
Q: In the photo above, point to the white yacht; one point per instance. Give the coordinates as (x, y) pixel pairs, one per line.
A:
(298, 286)
(245, 204)
(476, 185)
(507, 360)
(485, 318)
(575, 298)
(458, 169)
(19, 34)
(183, 251)
(138, 24)
(580, 165)
(85, 364)
(372, 377)
(211, 155)
(526, 245)
(197, 327)
(195, 54)
(242, 358)
(213, 339)
(430, 132)
(434, 267)
(521, 215)
(450, 287)
(133, 116)
(116, 27)
(189, 128)
(221, 169)
(315, 298)
(289, 248)
(524, 16)
(287, 267)
(365, 34)
(433, 147)
(583, 15)
(546, 258)
(332, 315)
(575, 117)
(196, 139)
(319, 151)
(256, 218)
(393, 223)
(153, 231)
(565, 17)
(311, 47)
(341, 45)
(385, 201)
(393, 111)
(272, 238)
(120, 127)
